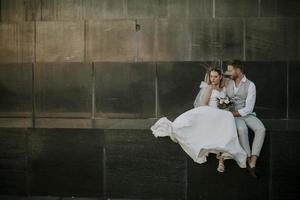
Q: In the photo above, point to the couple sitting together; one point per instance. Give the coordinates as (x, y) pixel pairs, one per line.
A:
(220, 120)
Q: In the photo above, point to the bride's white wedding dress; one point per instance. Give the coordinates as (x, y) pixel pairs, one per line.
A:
(204, 130)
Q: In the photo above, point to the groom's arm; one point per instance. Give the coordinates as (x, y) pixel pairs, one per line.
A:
(250, 102)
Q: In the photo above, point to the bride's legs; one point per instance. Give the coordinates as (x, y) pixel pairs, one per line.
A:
(221, 166)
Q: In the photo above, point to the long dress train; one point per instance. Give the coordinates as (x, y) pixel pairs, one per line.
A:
(204, 130)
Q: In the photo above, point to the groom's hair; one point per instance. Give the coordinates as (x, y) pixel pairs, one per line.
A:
(236, 64)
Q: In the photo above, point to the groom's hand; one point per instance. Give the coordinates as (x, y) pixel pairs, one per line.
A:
(236, 114)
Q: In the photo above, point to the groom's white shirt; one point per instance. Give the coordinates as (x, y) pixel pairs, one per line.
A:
(250, 100)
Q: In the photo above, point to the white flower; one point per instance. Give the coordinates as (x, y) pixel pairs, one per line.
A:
(226, 101)
(221, 101)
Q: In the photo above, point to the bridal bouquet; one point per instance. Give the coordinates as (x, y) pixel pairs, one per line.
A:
(224, 103)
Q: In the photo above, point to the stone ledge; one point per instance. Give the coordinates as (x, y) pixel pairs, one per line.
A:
(133, 124)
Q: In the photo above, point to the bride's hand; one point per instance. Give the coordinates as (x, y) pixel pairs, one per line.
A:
(211, 87)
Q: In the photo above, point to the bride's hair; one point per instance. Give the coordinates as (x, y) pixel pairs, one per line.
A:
(219, 71)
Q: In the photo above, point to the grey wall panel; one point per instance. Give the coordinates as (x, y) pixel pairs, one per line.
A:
(271, 39)
(140, 166)
(13, 161)
(66, 162)
(63, 90)
(16, 90)
(125, 90)
(270, 79)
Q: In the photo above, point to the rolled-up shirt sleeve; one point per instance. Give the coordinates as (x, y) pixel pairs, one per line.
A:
(250, 101)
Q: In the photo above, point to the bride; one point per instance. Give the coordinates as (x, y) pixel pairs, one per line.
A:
(206, 128)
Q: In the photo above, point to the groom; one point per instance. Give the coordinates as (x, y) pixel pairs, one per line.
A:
(243, 93)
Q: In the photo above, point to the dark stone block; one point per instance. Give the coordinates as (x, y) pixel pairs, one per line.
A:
(285, 163)
(16, 90)
(236, 8)
(270, 79)
(79, 198)
(294, 90)
(280, 8)
(14, 197)
(125, 90)
(13, 161)
(13, 149)
(13, 182)
(204, 182)
(63, 90)
(217, 39)
(290, 8)
(271, 39)
(178, 86)
(66, 162)
(268, 8)
(140, 166)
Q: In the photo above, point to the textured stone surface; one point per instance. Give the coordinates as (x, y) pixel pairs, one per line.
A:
(271, 39)
(63, 90)
(147, 40)
(13, 161)
(102, 9)
(63, 123)
(205, 182)
(59, 41)
(145, 8)
(289, 8)
(111, 40)
(270, 79)
(178, 85)
(141, 166)
(57, 10)
(20, 10)
(217, 39)
(16, 42)
(268, 8)
(200, 8)
(285, 176)
(66, 162)
(16, 90)
(125, 90)
(173, 40)
(294, 90)
(237, 8)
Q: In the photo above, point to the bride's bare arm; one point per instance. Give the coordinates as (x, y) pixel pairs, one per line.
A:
(206, 96)
(226, 81)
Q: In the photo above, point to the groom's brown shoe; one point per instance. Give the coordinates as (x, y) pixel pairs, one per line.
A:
(252, 171)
